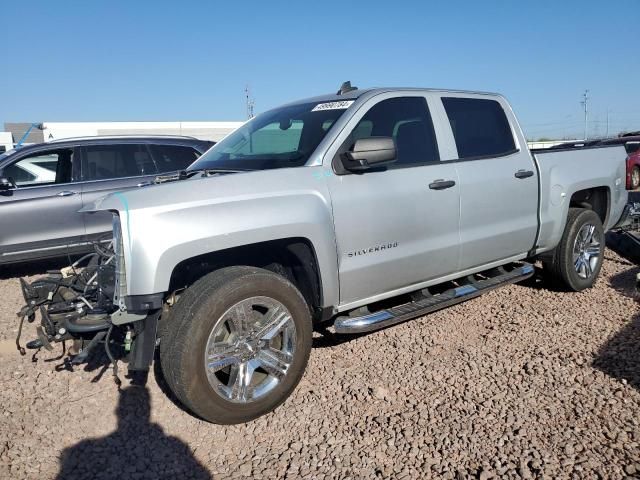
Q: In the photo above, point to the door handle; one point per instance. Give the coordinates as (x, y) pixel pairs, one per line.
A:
(66, 193)
(441, 184)
(524, 174)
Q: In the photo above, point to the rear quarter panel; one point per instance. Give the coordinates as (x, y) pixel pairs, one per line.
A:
(564, 172)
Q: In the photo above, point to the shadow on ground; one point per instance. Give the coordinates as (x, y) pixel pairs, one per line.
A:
(619, 357)
(137, 449)
(625, 244)
(625, 282)
(36, 267)
(537, 280)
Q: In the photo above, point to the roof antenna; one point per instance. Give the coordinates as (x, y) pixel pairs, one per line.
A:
(345, 88)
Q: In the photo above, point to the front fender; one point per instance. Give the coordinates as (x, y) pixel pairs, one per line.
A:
(160, 236)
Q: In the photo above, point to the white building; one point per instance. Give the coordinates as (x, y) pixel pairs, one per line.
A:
(215, 131)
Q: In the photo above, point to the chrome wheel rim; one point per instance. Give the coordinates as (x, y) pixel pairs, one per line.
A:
(250, 349)
(586, 251)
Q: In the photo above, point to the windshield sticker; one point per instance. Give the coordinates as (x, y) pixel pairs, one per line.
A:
(333, 105)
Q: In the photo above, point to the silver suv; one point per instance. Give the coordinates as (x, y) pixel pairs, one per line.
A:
(43, 186)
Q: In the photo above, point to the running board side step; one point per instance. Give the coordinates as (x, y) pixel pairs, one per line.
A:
(428, 304)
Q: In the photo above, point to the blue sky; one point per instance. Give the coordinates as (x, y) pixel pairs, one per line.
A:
(188, 60)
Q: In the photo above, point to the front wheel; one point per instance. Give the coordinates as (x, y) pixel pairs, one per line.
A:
(576, 261)
(236, 344)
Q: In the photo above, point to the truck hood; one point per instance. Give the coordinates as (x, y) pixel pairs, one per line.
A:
(199, 190)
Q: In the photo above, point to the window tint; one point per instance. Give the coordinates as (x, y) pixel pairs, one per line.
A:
(274, 138)
(408, 121)
(42, 168)
(19, 174)
(173, 157)
(117, 161)
(632, 147)
(480, 127)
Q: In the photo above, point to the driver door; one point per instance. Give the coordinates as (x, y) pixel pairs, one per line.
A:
(395, 227)
(39, 217)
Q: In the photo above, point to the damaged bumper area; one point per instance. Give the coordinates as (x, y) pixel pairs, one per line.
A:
(84, 304)
(630, 218)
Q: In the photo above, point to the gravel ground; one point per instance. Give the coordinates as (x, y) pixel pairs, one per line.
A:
(520, 383)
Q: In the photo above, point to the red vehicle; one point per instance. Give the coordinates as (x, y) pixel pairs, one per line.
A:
(632, 145)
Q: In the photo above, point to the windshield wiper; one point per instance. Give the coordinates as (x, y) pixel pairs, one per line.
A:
(209, 171)
(185, 174)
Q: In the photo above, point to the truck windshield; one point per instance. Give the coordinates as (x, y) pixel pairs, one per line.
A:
(280, 138)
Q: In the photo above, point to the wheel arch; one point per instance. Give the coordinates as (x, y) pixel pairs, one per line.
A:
(597, 199)
(294, 258)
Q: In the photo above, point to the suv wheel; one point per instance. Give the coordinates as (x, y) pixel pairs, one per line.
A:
(576, 261)
(236, 344)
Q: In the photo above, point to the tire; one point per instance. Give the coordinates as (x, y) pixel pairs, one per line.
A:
(570, 267)
(208, 318)
(635, 178)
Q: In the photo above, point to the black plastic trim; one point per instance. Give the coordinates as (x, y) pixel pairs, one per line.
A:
(144, 303)
(442, 184)
(523, 174)
(144, 344)
(534, 247)
(483, 157)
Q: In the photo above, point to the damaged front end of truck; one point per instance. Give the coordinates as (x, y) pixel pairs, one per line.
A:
(84, 305)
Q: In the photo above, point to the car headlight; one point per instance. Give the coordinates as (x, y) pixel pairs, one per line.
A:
(120, 271)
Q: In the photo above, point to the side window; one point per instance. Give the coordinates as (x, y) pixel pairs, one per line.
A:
(116, 161)
(408, 121)
(43, 168)
(480, 127)
(170, 158)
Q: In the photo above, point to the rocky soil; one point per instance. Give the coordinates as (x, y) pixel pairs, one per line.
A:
(520, 383)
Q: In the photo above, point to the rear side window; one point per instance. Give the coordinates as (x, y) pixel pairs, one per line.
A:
(103, 162)
(480, 127)
(173, 157)
(408, 122)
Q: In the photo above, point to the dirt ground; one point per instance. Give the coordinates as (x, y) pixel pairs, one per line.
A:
(520, 383)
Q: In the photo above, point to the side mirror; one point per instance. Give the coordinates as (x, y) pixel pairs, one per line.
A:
(6, 184)
(369, 153)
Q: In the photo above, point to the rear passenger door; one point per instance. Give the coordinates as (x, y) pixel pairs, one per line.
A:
(498, 181)
(112, 168)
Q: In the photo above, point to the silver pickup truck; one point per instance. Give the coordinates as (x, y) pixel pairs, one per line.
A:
(349, 213)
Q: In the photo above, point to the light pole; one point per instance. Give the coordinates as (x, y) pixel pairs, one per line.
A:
(585, 104)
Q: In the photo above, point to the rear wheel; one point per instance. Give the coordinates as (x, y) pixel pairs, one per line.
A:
(236, 344)
(576, 261)
(635, 178)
